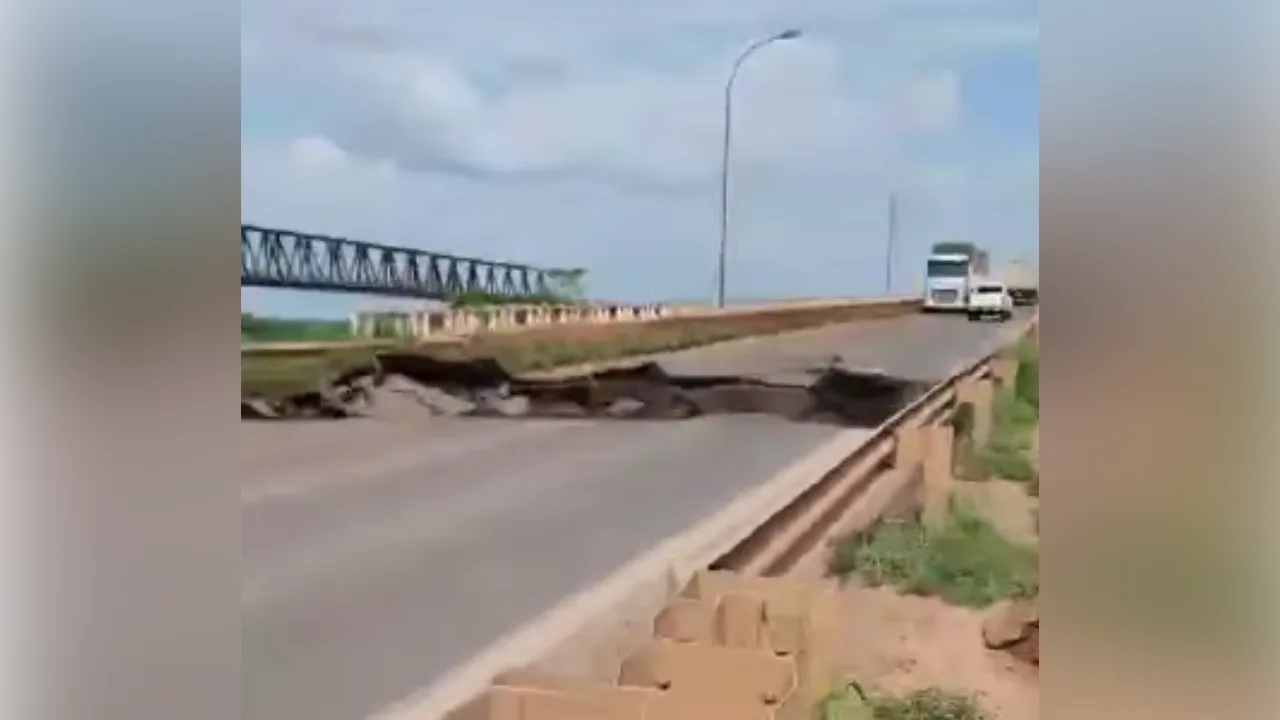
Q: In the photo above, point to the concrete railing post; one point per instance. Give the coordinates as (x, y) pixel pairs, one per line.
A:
(908, 446)
(938, 478)
(982, 396)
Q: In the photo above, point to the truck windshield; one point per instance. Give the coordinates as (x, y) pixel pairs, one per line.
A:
(948, 269)
(989, 289)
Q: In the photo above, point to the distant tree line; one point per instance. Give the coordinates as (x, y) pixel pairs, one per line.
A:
(256, 328)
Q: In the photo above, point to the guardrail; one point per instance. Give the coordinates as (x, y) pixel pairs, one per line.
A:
(844, 486)
(916, 438)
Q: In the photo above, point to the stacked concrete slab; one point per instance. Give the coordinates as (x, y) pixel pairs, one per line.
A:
(729, 647)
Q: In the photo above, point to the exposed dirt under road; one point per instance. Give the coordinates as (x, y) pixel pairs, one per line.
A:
(407, 383)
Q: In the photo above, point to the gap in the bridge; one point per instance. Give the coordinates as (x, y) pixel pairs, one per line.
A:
(409, 384)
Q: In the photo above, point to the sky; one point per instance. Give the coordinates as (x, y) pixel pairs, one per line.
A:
(584, 133)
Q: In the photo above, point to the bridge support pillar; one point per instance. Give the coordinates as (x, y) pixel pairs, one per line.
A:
(508, 318)
(363, 325)
(522, 316)
(433, 322)
(465, 322)
(422, 325)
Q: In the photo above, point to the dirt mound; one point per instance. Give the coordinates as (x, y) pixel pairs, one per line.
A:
(903, 643)
(412, 383)
(1014, 627)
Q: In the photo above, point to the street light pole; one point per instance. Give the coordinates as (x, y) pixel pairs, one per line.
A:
(724, 156)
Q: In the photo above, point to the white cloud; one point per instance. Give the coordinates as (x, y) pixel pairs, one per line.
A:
(569, 132)
(930, 103)
(632, 122)
(316, 150)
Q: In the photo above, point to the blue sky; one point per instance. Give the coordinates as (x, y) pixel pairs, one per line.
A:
(580, 133)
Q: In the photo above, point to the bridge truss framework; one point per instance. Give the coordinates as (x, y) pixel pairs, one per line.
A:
(308, 261)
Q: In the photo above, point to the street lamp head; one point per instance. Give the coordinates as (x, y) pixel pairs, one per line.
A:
(789, 34)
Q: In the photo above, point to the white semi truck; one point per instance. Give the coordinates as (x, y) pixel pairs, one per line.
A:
(950, 274)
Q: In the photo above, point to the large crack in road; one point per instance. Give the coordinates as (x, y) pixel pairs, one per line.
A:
(405, 383)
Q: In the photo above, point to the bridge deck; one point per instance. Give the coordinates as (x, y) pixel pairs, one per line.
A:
(377, 555)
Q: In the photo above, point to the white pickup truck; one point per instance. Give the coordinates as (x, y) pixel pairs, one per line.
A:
(989, 298)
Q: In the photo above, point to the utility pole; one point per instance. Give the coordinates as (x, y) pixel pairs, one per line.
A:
(892, 239)
(724, 154)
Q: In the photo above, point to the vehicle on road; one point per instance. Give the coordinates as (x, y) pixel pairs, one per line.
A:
(949, 275)
(1024, 286)
(989, 298)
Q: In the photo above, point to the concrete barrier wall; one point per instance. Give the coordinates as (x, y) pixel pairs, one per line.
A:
(464, 322)
(549, 322)
(656, 640)
(501, 318)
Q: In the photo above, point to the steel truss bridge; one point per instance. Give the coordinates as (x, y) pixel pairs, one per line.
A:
(307, 261)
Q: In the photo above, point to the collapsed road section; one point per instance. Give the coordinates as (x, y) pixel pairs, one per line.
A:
(399, 384)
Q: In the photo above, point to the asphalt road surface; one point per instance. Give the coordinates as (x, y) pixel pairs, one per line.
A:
(376, 555)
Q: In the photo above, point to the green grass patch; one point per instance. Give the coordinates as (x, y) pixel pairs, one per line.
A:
(853, 703)
(1027, 382)
(1007, 452)
(254, 328)
(965, 561)
(273, 377)
(1015, 416)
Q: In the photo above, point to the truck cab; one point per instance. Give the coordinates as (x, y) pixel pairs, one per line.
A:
(947, 282)
(989, 299)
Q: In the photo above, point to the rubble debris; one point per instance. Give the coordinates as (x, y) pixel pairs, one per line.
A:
(403, 382)
(1014, 627)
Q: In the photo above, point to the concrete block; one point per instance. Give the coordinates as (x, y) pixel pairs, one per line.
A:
(809, 641)
(737, 676)
(739, 621)
(602, 703)
(801, 620)
(785, 596)
(535, 679)
(813, 684)
(686, 620)
(678, 706)
(785, 634)
(528, 694)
